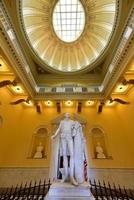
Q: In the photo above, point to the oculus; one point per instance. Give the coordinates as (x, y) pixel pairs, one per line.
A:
(68, 20)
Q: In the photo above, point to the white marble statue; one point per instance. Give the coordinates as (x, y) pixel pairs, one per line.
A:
(99, 151)
(39, 151)
(68, 140)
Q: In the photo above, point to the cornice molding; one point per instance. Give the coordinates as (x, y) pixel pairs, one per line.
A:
(9, 41)
(124, 52)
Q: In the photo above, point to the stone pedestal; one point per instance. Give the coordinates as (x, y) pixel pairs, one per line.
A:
(66, 191)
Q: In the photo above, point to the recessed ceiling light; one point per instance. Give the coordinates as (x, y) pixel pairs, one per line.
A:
(121, 88)
(48, 103)
(30, 103)
(109, 103)
(89, 103)
(68, 103)
(17, 89)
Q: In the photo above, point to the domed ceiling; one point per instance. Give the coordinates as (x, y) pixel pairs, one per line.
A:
(69, 35)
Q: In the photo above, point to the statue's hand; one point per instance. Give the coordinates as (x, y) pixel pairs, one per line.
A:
(84, 140)
(52, 137)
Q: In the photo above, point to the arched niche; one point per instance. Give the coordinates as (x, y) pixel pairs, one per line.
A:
(99, 143)
(39, 143)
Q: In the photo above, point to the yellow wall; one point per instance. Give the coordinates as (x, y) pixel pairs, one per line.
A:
(19, 124)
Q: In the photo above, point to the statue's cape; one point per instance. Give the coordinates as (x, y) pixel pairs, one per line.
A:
(80, 155)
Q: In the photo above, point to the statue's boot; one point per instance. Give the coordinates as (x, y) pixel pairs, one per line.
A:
(73, 181)
(65, 169)
(63, 180)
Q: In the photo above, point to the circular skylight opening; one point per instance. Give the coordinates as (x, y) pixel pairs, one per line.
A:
(68, 20)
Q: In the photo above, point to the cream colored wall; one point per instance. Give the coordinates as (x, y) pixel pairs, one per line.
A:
(19, 124)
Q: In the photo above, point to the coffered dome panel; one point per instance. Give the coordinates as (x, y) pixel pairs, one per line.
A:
(100, 18)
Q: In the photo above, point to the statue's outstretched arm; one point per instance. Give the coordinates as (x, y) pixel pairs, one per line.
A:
(57, 132)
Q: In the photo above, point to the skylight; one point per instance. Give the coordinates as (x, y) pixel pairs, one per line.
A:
(68, 20)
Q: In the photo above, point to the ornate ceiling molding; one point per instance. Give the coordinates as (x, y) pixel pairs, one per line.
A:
(15, 53)
(124, 53)
(56, 55)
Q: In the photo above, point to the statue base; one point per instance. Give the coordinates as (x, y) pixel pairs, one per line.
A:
(66, 191)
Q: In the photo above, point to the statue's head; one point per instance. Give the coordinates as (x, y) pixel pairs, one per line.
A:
(67, 115)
